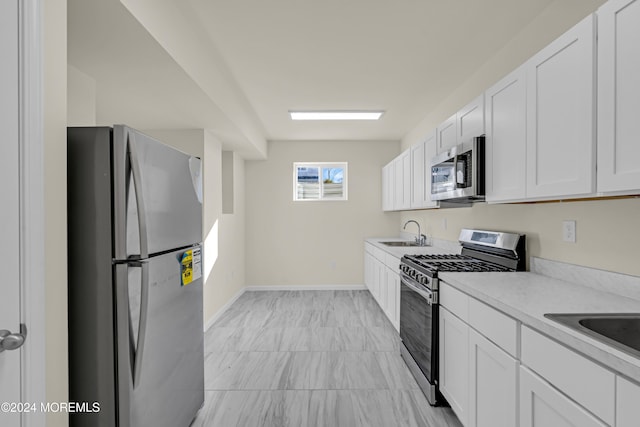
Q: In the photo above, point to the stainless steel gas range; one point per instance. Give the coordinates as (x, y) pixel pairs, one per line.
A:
(481, 251)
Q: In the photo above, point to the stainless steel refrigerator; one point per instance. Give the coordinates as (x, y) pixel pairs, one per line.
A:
(135, 280)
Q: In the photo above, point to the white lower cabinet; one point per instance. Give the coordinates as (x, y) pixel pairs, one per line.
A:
(541, 405)
(584, 381)
(392, 309)
(496, 372)
(454, 363)
(493, 376)
(382, 279)
(627, 403)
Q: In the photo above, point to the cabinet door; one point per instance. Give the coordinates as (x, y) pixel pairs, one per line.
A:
(402, 181)
(430, 151)
(398, 183)
(627, 400)
(387, 187)
(506, 140)
(418, 169)
(379, 282)
(447, 135)
(618, 95)
(454, 363)
(493, 384)
(541, 405)
(560, 116)
(470, 120)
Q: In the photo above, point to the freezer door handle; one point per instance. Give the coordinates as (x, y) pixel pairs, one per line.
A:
(137, 183)
(142, 326)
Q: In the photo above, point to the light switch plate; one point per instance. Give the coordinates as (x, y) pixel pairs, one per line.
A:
(569, 231)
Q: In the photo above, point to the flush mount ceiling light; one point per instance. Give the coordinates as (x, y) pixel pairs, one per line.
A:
(335, 115)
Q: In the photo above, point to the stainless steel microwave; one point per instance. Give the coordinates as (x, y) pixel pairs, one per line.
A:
(457, 175)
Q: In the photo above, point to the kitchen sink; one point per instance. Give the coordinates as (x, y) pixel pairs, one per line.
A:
(619, 330)
(405, 243)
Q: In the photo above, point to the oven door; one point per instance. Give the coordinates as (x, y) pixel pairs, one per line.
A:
(419, 325)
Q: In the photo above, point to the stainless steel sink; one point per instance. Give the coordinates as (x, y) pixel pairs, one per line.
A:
(400, 243)
(619, 330)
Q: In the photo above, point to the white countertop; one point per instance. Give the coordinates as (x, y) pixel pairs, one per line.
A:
(399, 251)
(528, 296)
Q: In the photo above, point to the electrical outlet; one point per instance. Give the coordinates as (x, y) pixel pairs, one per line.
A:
(569, 231)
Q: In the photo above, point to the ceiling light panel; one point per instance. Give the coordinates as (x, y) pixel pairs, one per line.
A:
(335, 115)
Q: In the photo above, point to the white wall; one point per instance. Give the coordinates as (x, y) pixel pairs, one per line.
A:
(314, 243)
(225, 233)
(55, 187)
(607, 230)
(81, 98)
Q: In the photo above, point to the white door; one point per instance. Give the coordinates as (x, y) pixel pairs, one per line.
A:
(493, 376)
(541, 405)
(470, 120)
(417, 175)
(618, 95)
(454, 363)
(561, 115)
(506, 144)
(447, 134)
(9, 211)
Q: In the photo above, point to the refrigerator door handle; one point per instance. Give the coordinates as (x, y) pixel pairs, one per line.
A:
(137, 183)
(142, 326)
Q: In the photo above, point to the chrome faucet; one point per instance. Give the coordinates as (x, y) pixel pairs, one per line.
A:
(421, 239)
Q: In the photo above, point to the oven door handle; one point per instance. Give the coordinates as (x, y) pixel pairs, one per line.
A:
(429, 296)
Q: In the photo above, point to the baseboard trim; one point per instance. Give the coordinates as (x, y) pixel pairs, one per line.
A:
(306, 288)
(222, 309)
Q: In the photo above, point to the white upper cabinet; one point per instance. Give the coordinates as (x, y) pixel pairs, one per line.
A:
(447, 134)
(560, 116)
(462, 126)
(506, 138)
(470, 120)
(387, 187)
(618, 96)
(402, 181)
(421, 155)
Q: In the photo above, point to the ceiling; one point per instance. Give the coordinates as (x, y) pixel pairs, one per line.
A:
(401, 56)
(238, 67)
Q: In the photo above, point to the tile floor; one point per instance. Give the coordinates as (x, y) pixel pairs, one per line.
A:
(310, 358)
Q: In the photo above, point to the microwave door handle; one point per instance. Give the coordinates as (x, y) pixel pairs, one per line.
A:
(455, 169)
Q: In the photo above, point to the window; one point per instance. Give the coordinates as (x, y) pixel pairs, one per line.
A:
(319, 181)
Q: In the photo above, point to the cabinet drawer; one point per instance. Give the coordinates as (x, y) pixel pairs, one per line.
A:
(455, 301)
(589, 384)
(498, 327)
(541, 405)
